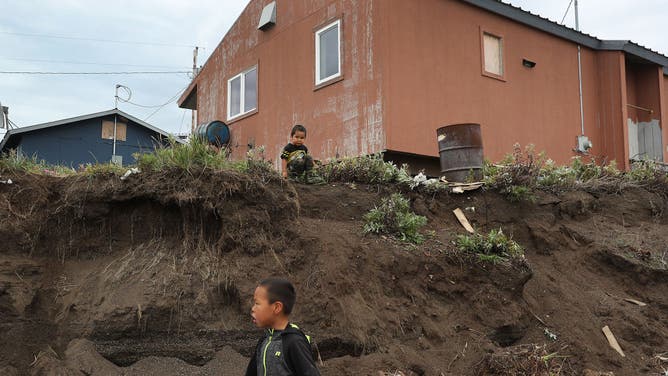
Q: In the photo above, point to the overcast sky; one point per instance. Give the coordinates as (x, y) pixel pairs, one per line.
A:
(162, 35)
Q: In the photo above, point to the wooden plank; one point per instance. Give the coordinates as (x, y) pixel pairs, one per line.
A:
(637, 302)
(612, 340)
(108, 130)
(463, 221)
(121, 131)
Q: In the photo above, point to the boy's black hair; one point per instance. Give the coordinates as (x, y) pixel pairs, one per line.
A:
(280, 290)
(298, 128)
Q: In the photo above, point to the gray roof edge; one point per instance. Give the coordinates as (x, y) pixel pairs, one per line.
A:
(538, 22)
(75, 119)
(517, 14)
(86, 117)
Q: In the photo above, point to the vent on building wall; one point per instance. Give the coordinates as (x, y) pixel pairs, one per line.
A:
(528, 63)
(268, 17)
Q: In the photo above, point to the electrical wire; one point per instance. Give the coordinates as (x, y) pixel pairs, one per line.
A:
(172, 99)
(183, 116)
(96, 39)
(91, 63)
(139, 105)
(127, 100)
(565, 14)
(94, 73)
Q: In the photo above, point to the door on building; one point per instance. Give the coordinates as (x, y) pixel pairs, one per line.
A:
(645, 140)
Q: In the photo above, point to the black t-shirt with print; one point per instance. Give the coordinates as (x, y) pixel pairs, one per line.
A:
(289, 150)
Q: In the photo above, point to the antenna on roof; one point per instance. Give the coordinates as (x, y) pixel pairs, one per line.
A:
(116, 97)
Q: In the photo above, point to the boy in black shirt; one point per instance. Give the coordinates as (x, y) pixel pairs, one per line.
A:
(284, 350)
(296, 161)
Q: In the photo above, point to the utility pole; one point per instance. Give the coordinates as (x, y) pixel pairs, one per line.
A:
(115, 158)
(194, 112)
(113, 152)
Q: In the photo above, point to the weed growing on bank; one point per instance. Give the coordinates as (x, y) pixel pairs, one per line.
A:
(394, 217)
(369, 169)
(524, 172)
(494, 247)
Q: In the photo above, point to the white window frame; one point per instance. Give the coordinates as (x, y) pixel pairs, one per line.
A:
(319, 81)
(242, 94)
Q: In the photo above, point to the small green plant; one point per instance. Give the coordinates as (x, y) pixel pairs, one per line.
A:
(524, 172)
(494, 247)
(13, 161)
(102, 169)
(198, 155)
(647, 171)
(368, 169)
(518, 193)
(395, 218)
(195, 155)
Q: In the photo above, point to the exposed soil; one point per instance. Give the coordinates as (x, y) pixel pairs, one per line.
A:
(153, 276)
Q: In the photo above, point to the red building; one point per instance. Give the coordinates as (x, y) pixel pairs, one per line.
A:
(382, 75)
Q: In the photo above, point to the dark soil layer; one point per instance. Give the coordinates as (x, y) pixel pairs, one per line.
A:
(154, 275)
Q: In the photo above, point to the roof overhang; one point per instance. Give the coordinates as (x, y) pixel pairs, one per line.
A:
(519, 15)
(56, 123)
(189, 97)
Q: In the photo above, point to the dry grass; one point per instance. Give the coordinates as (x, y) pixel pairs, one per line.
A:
(528, 360)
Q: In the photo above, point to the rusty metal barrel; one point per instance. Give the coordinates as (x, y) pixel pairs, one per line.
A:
(461, 153)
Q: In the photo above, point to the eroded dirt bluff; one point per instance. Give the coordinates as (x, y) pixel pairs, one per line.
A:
(153, 276)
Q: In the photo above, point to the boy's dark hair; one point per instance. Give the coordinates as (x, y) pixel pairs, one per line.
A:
(298, 128)
(280, 290)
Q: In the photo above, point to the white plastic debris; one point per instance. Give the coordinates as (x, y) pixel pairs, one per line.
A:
(551, 336)
(418, 180)
(8, 181)
(129, 172)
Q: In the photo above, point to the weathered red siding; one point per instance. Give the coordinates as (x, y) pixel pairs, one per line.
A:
(611, 118)
(437, 80)
(664, 115)
(410, 67)
(344, 118)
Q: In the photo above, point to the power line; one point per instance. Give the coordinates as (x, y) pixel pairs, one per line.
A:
(93, 73)
(90, 63)
(172, 99)
(139, 105)
(96, 40)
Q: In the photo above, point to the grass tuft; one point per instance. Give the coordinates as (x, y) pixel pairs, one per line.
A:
(370, 169)
(495, 247)
(394, 217)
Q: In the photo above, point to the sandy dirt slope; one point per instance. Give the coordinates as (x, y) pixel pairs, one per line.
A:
(154, 275)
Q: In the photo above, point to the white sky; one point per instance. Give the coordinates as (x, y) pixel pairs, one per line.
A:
(34, 99)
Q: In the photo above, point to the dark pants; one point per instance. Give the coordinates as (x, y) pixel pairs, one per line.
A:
(300, 165)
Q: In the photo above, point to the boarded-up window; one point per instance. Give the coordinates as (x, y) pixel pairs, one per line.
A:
(108, 130)
(493, 54)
